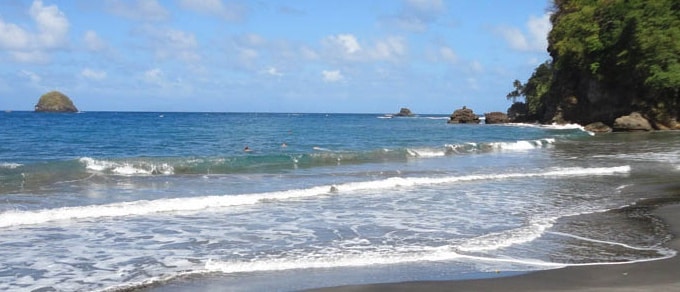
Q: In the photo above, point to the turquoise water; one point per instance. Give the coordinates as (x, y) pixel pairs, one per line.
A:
(107, 201)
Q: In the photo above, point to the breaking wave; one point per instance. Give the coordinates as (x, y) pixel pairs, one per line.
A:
(144, 207)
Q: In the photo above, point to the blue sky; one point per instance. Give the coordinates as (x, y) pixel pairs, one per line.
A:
(344, 56)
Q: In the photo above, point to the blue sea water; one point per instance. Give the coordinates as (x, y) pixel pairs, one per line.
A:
(111, 201)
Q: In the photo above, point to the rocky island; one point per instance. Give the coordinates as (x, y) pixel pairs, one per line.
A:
(404, 112)
(464, 116)
(55, 102)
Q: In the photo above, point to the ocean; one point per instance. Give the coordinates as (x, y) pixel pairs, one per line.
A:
(108, 201)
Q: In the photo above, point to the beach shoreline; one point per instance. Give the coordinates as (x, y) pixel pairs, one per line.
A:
(658, 275)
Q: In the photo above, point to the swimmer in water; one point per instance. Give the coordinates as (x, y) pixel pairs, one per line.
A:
(247, 149)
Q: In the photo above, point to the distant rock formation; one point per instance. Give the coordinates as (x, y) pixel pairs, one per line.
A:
(464, 116)
(496, 118)
(55, 101)
(631, 123)
(404, 112)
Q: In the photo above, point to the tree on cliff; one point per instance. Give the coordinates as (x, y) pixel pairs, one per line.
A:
(610, 58)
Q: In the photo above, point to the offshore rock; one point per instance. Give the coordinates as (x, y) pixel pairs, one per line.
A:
(631, 123)
(496, 118)
(56, 102)
(598, 127)
(404, 112)
(463, 116)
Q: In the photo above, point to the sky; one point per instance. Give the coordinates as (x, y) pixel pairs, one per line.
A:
(293, 56)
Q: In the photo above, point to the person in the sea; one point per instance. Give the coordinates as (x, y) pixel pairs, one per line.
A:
(247, 149)
(284, 145)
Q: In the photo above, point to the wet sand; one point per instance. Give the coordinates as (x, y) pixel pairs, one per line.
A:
(661, 275)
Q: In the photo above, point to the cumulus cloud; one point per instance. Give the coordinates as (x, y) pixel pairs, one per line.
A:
(535, 40)
(93, 74)
(229, 11)
(51, 32)
(142, 10)
(332, 76)
(51, 23)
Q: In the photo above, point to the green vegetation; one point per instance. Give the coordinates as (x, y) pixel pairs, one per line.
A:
(55, 101)
(609, 57)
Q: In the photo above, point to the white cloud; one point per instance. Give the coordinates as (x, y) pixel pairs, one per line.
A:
(448, 55)
(539, 27)
(52, 24)
(347, 46)
(30, 56)
(173, 44)
(13, 37)
(346, 42)
(228, 11)
(142, 10)
(29, 46)
(93, 74)
(154, 76)
(537, 38)
(389, 48)
(273, 71)
(332, 76)
(93, 42)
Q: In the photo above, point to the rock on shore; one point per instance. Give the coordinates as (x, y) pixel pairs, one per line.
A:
(55, 101)
(633, 122)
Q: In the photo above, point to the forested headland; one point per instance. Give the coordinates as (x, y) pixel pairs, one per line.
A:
(609, 58)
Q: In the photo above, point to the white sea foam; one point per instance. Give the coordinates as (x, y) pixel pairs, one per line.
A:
(379, 256)
(498, 240)
(127, 168)
(10, 165)
(426, 153)
(143, 207)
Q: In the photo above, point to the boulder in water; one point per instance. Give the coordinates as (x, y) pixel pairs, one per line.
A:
(404, 112)
(464, 116)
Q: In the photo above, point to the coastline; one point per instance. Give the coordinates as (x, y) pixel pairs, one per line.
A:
(659, 275)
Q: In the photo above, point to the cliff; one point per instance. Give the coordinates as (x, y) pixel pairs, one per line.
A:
(609, 59)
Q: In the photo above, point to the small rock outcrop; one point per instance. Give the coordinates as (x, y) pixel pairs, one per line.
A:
(404, 112)
(631, 123)
(598, 127)
(55, 101)
(464, 116)
(496, 118)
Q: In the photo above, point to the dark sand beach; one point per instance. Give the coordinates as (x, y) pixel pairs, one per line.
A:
(661, 275)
